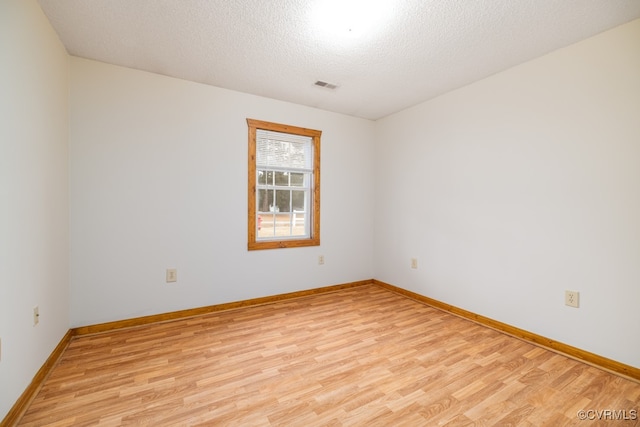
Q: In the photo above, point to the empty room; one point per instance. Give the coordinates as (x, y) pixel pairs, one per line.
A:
(319, 212)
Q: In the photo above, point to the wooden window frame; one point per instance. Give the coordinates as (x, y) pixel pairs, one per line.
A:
(314, 211)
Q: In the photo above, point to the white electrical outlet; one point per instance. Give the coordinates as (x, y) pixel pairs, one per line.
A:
(320, 259)
(414, 263)
(172, 275)
(36, 315)
(572, 299)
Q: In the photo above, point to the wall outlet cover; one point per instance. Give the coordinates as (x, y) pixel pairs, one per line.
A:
(572, 299)
(172, 275)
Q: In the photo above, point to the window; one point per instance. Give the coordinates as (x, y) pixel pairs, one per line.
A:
(284, 186)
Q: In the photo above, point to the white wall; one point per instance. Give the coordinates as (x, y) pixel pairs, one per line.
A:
(34, 194)
(517, 187)
(159, 180)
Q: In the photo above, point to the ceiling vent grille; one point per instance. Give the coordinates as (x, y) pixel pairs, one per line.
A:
(326, 85)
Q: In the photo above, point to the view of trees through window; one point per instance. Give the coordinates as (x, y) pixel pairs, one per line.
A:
(281, 200)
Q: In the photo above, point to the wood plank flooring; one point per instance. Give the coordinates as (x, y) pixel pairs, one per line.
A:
(362, 356)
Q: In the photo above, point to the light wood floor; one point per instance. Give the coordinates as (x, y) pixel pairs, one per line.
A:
(363, 356)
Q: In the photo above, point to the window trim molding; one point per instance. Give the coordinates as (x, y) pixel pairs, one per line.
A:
(314, 239)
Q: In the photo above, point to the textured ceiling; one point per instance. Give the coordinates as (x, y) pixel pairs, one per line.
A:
(416, 50)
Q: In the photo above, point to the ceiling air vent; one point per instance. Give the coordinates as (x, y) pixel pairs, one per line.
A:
(325, 85)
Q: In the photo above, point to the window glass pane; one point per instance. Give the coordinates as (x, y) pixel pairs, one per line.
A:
(299, 224)
(282, 178)
(298, 200)
(266, 226)
(297, 179)
(283, 201)
(262, 177)
(265, 200)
